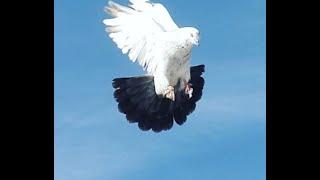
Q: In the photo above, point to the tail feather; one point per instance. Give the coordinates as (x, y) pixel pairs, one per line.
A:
(137, 99)
(180, 116)
(197, 71)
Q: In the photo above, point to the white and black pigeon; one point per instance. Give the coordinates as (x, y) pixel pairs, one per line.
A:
(170, 89)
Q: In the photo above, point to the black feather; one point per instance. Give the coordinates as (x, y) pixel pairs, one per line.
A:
(137, 99)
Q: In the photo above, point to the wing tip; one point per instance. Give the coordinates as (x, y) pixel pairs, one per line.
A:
(108, 22)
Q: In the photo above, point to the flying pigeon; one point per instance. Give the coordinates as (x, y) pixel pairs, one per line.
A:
(171, 87)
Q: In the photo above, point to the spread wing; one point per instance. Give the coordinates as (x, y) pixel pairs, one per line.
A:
(136, 30)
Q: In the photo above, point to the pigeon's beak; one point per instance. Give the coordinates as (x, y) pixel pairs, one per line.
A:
(197, 42)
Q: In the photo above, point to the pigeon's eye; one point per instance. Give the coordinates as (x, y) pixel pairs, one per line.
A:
(191, 35)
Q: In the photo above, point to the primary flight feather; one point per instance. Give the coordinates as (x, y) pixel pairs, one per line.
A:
(146, 32)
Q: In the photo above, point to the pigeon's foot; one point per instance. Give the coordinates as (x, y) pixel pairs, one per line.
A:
(169, 93)
(188, 89)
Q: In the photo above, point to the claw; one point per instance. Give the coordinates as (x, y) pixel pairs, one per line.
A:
(169, 93)
(188, 90)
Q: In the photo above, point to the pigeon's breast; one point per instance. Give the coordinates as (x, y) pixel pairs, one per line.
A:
(178, 66)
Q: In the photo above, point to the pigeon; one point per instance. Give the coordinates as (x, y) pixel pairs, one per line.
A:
(169, 90)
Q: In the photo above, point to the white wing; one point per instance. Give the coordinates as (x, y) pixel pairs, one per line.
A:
(136, 30)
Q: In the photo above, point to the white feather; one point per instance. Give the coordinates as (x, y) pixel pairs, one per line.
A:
(134, 29)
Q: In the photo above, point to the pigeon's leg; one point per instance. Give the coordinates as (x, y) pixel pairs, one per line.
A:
(188, 89)
(169, 93)
(163, 87)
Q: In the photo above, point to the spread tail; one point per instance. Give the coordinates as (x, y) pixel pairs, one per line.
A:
(137, 99)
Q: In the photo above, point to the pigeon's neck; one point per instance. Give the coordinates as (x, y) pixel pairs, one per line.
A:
(184, 47)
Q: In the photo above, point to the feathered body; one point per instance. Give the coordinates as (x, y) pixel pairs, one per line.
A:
(146, 32)
(175, 52)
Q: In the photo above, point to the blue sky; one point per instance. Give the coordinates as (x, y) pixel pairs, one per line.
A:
(224, 139)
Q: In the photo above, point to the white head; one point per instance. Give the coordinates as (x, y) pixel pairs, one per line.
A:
(192, 34)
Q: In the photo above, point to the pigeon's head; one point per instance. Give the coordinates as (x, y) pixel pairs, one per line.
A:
(193, 35)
